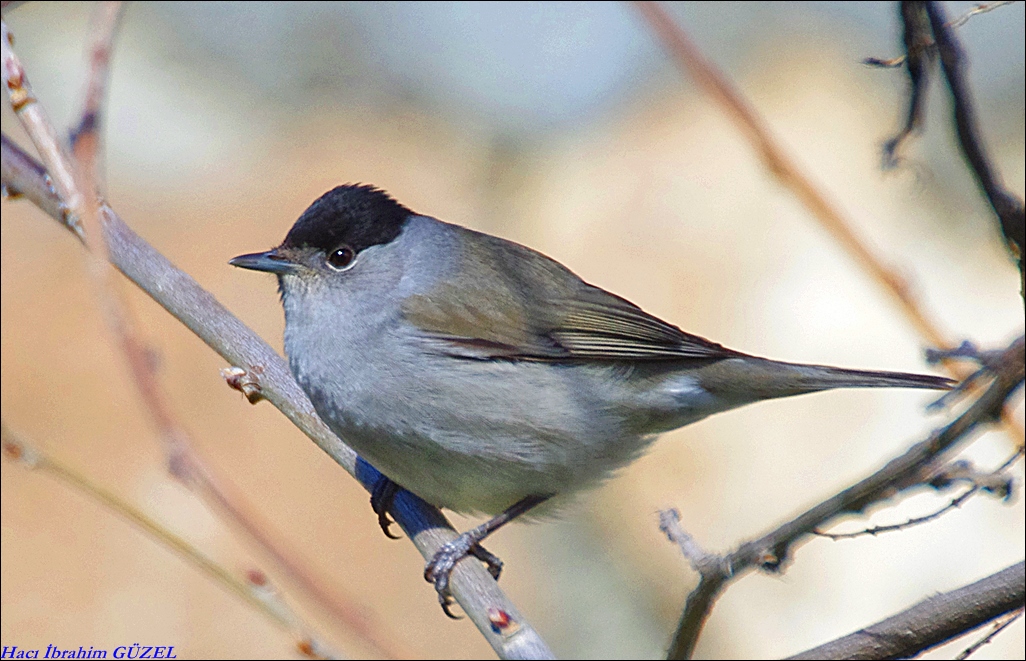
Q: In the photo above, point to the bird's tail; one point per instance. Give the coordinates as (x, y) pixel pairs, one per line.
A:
(822, 377)
(769, 379)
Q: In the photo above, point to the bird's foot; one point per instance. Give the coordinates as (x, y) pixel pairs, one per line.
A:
(439, 568)
(381, 502)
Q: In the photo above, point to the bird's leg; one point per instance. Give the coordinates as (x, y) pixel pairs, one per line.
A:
(381, 501)
(492, 561)
(440, 567)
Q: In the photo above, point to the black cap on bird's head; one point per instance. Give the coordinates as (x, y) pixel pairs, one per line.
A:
(357, 216)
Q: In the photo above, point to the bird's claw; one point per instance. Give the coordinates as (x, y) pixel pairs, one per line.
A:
(386, 523)
(381, 501)
(489, 559)
(439, 569)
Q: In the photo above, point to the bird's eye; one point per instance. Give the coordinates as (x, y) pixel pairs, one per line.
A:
(341, 258)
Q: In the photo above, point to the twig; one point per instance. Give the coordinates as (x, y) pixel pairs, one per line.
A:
(474, 589)
(79, 188)
(669, 524)
(982, 8)
(783, 167)
(998, 628)
(885, 63)
(259, 596)
(932, 621)
(895, 62)
(60, 178)
(1007, 206)
(772, 550)
(919, 58)
(994, 482)
(954, 503)
(926, 33)
(85, 139)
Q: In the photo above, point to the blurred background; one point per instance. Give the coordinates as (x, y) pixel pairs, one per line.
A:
(563, 126)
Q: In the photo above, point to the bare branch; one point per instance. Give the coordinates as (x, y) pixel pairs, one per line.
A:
(771, 551)
(932, 621)
(85, 140)
(784, 168)
(998, 628)
(15, 165)
(885, 63)
(920, 55)
(918, 60)
(997, 482)
(474, 589)
(669, 524)
(33, 117)
(787, 172)
(1007, 206)
(80, 190)
(895, 62)
(258, 594)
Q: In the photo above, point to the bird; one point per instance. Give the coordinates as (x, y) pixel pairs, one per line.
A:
(485, 377)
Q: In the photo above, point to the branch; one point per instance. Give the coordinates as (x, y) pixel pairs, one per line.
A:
(896, 62)
(932, 621)
(473, 587)
(997, 482)
(256, 593)
(79, 185)
(60, 179)
(999, 626)
(919, 59)
(771, 551)
(785, 169)
(982, 8)
(1007, 206)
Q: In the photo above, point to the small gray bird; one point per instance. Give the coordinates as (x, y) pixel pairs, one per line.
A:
(485, 377)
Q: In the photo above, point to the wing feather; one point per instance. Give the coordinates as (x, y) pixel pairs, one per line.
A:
(485, 316)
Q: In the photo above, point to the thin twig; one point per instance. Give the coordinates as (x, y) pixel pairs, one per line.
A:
(919, 59)
(955, 503)
(784, 168)
(85, 139)
(472, 586)
(260, 597)
(885, 63)
(932, 621)
(895, 62)
(998, 628)
(982, 8)
(60, 178)
(699, 558)
(994, 482)
(772, 550)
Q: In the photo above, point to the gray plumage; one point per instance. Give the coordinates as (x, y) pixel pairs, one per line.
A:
(475, 372)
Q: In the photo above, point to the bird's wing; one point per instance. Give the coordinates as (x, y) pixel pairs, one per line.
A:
(483, 315)
(601, 326)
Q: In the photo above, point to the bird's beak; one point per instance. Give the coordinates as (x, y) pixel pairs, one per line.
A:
(271, 262)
